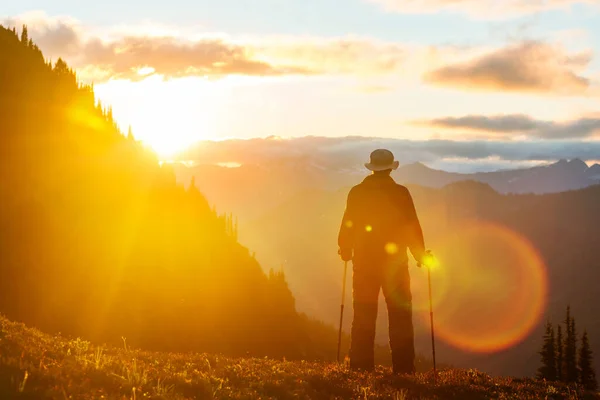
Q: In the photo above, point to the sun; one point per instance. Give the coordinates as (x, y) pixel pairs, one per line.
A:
(169, 130)
(166, 115)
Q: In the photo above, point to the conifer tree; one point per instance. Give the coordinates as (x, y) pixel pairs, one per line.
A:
(548, 353)
(574, 376)
(25, 35)
(235, 229)
(570, 349)
(587, 376)
(559, 354)
(130, 134)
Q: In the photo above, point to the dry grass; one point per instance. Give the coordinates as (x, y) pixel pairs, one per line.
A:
(34, 365)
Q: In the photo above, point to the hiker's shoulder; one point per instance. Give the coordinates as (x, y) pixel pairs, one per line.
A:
(360, 189)
(401, 188)
(403, 193)
(362, 184)
(356, 188)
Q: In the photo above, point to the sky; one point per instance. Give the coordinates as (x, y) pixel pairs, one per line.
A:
(460, 70)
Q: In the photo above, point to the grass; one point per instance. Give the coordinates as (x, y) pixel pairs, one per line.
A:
(34, 365)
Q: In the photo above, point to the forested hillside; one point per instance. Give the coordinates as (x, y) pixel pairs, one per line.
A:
(98, 241)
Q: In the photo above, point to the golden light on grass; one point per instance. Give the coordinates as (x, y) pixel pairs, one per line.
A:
(489, 290)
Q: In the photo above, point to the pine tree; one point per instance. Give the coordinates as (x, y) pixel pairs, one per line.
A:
(235, 229)
(587, 376)
(548, 353)
(574, 376)
(25, 35)
(559, 354)
(570, 349)
(130, 134)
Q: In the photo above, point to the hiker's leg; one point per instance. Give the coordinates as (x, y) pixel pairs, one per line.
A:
(365, 291)
(396, 289)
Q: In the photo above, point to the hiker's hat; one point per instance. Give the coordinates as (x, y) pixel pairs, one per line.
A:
(381, 160)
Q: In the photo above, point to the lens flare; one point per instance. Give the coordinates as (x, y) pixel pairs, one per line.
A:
(391, 248)
(430, 261)
(489, 290)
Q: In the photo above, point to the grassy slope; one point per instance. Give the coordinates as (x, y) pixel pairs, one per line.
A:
(34, 365)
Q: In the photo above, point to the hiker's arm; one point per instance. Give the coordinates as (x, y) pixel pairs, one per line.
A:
(346, 235)
(414, 233)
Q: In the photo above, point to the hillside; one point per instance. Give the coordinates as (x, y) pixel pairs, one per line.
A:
(98, 241)
(38, 366)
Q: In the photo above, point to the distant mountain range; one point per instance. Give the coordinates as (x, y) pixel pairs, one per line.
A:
(558, 177)
(253, 188)
(332, 163)
(289, 206)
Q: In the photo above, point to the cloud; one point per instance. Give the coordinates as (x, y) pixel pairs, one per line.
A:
(123, 57)
(535, 150)
(481, 9)
(530, 66)
(173, 57)
(350, 55)
(100, 55)
(522, 125)
(54, 35)
(121, 54)
(374, 89)
(505, 123)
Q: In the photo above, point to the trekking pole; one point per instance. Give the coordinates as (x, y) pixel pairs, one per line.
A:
(431, 322)
(342, 311)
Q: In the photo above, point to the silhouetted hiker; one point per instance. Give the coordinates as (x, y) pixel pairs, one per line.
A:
(379, 224)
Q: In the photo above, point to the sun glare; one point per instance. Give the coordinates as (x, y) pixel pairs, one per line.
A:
(167, 115)
(489, 290)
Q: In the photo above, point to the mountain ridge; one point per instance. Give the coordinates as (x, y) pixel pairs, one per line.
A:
(560, 176)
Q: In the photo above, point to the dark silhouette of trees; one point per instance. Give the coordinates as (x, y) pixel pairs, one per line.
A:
(548, 354)
(25, 35)
(99, 241)
(570, 348)
(561, 359)
(586, 369)
(130, 134)
(559, 354)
